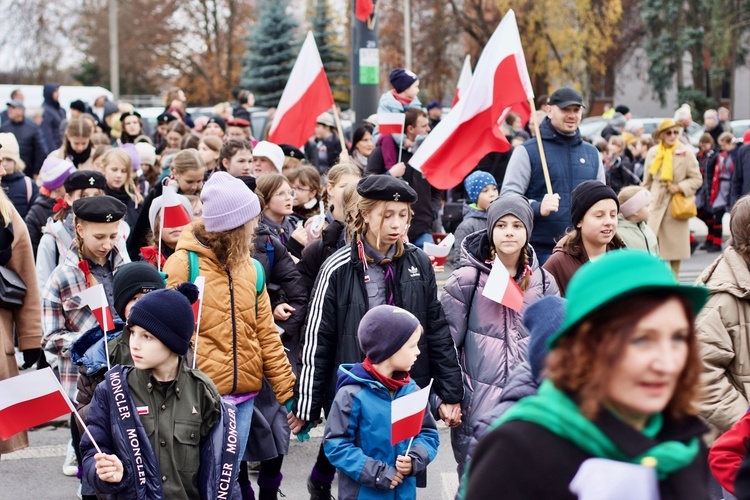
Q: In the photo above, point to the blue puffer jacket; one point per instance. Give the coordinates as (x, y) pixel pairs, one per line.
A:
(570, 162)
(105, 424)
(490, 338)
(357, 438)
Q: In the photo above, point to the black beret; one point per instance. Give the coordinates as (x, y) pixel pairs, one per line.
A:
(217, 120)
(84, 179)
(78, 105)
(165, 118)
(386, 188)
(292, 152)
(129, 113)
(99, 209)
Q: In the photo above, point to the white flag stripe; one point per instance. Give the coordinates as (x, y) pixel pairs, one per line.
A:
(497, 282)
(30, 385)
(410, 404)
(200, 282)
(391, 119)
(94, 297)
(305, 70)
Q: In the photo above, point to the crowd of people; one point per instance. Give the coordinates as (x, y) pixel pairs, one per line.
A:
(320, 306)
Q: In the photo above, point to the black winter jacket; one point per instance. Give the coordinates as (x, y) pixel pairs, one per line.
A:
(338, 302)
(139, 231)
(31, 144)
(741, 176)
(36, 219)
(133, 211)
(54, 115)
(112, 439)
(316, 253)
(285, 285)
(524, 460)
(21, 190)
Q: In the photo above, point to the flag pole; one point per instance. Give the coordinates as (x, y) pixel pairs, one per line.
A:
(75, 412)
(408, 448)
(197, 332)
(161, 230)
(547, 180)
(106, 326)
(340, 130)
(403, 138)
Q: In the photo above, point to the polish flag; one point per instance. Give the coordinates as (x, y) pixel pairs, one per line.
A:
(502, 288)
(464, 79)
(500, 85)
(364, 10)
(199, 282)
(29, 400)
(407, 414)
(96, 298)
(173, 213)
(307, 94)
(391, 123)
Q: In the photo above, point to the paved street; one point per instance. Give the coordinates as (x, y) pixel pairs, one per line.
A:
(35, 473)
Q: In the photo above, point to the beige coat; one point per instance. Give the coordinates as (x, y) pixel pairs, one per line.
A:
(673, 235)
(27, 319)
(723, 329)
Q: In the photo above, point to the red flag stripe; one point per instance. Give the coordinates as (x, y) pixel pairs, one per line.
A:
(407, 428)
(363, 10)
(390, 128)
(175, 216)
(99, 315)
(513, 296)
(32, 412)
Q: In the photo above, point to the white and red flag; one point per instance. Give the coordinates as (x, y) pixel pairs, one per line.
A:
(500, 85)
(173, 212)
(464, 79)
(391, 123)
(30, 399)
(502, 288)
(306, 95)
(96, 298)
(200, 282)
(407, 414)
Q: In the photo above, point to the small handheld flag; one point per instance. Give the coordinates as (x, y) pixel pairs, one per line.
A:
(502, 288)
(96, 298)
(407, 414)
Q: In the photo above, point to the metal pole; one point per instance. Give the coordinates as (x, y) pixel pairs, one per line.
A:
(114, 51)
(365, 75)
(407, 34)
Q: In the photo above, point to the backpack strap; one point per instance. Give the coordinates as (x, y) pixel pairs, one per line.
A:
(193, 266)
(260, 281)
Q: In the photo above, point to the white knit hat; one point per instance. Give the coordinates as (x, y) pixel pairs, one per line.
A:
(271, 151)
(146, 152)
(9, 149)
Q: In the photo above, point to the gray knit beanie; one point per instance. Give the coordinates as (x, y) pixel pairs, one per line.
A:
(510, 204)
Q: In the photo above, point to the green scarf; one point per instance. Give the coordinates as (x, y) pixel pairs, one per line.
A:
(556, 412)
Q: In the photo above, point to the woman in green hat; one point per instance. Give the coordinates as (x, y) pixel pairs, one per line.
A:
(622, 381)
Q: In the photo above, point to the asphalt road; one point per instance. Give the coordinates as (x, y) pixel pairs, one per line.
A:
(35, 473)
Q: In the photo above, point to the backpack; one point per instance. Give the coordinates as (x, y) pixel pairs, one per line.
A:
(260, 282)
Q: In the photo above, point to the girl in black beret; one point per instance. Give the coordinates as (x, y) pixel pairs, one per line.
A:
(132, 126)
(93, 258)
(376, 268)
(593, 211)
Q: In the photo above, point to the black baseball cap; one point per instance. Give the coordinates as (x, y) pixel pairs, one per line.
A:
(564, 97)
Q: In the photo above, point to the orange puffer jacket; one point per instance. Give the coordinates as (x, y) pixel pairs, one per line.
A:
(236, 348)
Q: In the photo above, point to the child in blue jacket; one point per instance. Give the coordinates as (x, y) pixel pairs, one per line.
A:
(357, 437)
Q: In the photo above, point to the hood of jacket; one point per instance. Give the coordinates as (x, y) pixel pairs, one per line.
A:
(49, 89)
(520, 384)
(355, 374)
(470, 211)
(475, 251)
(88, 349)
(729, 273)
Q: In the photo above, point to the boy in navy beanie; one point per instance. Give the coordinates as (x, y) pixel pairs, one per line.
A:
(357, 437)
(161, 405)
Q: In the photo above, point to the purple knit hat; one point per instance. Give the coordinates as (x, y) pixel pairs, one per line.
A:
(135, 158)
(383, 330)
(54, 172)
(227, 203)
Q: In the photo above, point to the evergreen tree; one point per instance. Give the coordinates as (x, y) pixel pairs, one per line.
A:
(332, 54)
(271, 52)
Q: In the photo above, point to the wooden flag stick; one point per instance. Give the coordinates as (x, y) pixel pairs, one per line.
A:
(75, 412)
(161, 230)
(106, 326)
(198, 326)
(408, 448)
(338, 127)
(541, 147)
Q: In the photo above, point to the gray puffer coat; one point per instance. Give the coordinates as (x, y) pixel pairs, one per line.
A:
(473, 221)
(490, 338)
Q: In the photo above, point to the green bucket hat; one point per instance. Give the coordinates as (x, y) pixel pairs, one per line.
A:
(616, 275)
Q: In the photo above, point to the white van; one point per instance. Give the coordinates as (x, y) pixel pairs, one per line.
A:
(33, 95)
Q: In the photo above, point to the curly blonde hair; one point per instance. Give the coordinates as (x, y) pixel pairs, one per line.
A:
(232, 248)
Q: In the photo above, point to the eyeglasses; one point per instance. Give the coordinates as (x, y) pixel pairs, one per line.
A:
(671, 132)
(302, 188)
(283, 194)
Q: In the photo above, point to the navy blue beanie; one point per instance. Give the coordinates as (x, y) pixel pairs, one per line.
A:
(384, 330)
(477, 181)
(402, 79)
(542, 319)
(167, 315)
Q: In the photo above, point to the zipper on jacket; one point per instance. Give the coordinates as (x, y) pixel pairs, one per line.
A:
(234, 333)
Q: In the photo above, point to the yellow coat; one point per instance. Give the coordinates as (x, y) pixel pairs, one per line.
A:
(235, 348)
(673, 235)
